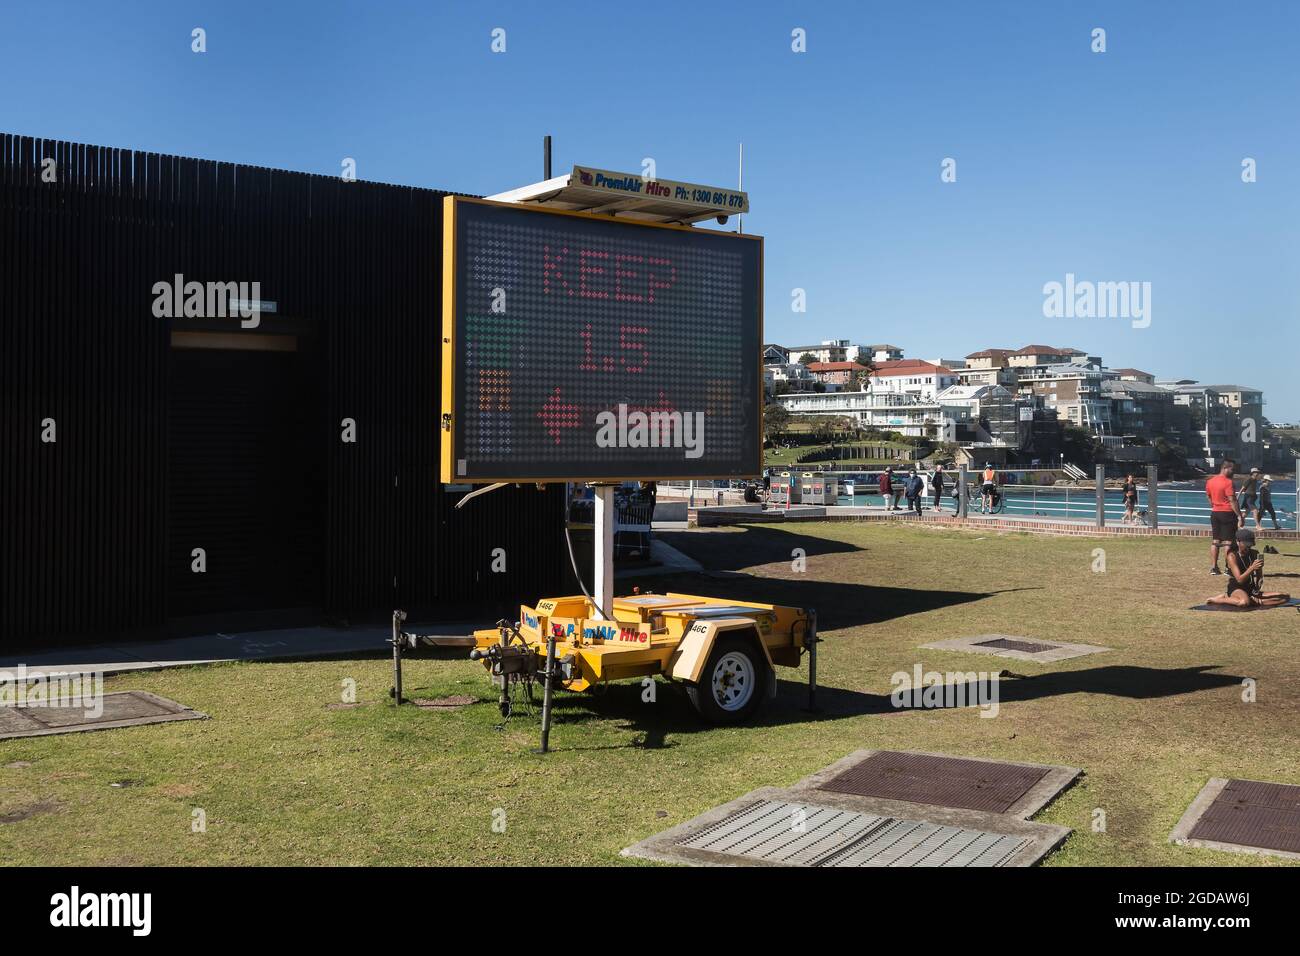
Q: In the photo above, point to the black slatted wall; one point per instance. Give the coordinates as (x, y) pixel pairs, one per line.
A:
(355, 270)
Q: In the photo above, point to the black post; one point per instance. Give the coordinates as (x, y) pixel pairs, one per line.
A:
(546, 157)
(1153, 496)
(810, 641)
(546, 694)
(1101, 496)
(398, 618)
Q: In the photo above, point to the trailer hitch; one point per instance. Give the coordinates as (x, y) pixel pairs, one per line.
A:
(510, 665)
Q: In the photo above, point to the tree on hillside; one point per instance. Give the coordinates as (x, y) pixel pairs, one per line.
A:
(824, 428)
(1080, 446)
(776, 418)
(807, 358)
(946, 451)
(1172, 460)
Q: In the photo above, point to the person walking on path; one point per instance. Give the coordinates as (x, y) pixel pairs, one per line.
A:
(1248, 494)
(1266, 503)
(1225, 515)
(887, 489)
(1130, 499)
(915, 487)
(936, 486)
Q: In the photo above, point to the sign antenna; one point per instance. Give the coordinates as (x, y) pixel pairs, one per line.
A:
(740, 187)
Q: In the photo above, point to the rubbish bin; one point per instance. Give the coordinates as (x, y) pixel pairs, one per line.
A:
(785, 489)
(813, 490)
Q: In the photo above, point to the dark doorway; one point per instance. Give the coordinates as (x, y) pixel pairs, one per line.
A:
(243, 477)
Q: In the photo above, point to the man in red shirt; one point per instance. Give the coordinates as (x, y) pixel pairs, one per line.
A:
(1225, 514)
(887, 488)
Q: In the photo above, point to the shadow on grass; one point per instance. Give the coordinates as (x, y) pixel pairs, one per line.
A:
(838, 604)
(749, 546)
(1119, 680)
(653, 724)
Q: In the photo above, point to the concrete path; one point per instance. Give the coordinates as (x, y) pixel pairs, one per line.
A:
(300, 643)
(671, 560)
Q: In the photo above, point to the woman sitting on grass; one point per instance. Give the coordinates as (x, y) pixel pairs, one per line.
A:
(1246, 576)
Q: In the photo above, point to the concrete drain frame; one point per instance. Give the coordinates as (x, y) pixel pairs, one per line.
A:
(1209, 799)
(1011, 647)
(141, 708)
(933, 837)
(847, 829)
(1054, 781)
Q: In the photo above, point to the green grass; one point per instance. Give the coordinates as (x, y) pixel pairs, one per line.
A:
(785, 457)
(286, 776)
(776, 457)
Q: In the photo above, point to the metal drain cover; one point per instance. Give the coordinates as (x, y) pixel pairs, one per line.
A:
(984, 785)
(1008, 644)
(806, 826)
(785, 833)
(1015, 647)
(119, 709)
(1244, 815)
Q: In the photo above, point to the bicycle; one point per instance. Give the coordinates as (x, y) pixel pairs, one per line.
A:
(975, 500)
(997, 501)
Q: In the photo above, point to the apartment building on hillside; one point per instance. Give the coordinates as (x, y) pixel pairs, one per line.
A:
(884, 411)
(1227, 421)
(1072, 391)
(832, 351)
(842, 374)
(913, 377)
(999, 419)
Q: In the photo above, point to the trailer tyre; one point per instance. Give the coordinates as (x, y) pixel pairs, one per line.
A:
(732, 685)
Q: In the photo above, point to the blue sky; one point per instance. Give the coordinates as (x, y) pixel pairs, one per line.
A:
(1118, 166)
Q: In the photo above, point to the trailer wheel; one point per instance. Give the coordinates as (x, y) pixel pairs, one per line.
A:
(731, 686)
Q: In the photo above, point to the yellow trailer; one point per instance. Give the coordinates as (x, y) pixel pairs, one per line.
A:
(725, 653)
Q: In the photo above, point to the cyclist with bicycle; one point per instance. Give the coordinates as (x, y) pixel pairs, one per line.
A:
(989, 488)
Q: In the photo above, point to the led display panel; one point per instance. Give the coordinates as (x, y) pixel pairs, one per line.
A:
(585, 348)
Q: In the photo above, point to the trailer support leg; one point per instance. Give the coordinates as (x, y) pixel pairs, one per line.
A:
(810, 642)
(398, 618)
(549, 677)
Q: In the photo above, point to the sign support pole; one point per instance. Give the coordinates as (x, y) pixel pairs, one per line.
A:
(1153, 496)
(1101, 496)
(606, 516)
